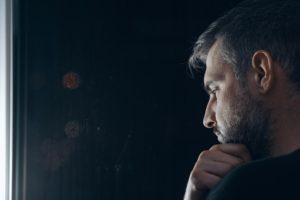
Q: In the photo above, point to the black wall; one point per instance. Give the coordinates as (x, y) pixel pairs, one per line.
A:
(134, 119)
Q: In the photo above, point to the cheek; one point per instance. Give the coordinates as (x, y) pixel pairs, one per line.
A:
(224, 111)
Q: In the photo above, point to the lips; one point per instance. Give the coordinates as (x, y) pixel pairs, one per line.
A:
(219, 136)
(217, 133)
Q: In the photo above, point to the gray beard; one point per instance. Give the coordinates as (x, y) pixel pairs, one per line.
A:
(252, 127)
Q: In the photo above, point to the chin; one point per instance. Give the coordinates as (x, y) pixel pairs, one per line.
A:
(221, 139)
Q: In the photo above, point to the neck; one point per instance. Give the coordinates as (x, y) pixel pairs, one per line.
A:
(287, 129)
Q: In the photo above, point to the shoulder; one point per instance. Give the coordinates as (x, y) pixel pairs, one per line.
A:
(272, 178)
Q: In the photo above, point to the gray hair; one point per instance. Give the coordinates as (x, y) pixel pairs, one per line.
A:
(270, 25)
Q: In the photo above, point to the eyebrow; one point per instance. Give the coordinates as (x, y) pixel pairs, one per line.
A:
(206, 86)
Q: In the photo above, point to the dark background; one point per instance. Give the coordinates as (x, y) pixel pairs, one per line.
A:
(132, 127)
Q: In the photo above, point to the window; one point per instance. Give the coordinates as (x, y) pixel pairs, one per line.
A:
(5, 99)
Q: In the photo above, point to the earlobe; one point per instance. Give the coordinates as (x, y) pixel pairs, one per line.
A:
(262, 64)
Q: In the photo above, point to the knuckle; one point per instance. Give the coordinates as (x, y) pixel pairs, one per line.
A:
(196, 174)
(215, 147)
(200, 181)
(203, 154)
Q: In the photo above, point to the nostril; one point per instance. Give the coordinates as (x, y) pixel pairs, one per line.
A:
(210, 124)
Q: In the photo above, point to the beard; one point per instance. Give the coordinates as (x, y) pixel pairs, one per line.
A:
(249, 124)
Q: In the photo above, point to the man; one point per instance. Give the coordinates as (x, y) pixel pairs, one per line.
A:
(252, 75)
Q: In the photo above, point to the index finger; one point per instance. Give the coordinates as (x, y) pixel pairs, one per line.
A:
(238, 150)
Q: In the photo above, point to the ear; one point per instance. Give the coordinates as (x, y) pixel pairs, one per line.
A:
(263, 66)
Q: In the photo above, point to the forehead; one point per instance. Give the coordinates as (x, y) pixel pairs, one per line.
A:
(215, 65)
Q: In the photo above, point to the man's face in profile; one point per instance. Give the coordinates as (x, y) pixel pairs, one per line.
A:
(232, 112)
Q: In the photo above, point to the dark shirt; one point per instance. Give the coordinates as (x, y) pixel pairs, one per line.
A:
(268, 179)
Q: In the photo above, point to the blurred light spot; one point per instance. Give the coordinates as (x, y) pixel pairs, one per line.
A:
(72, 129)
(71, 80)
(100, 129)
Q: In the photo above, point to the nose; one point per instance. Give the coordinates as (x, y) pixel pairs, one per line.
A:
(209, 120)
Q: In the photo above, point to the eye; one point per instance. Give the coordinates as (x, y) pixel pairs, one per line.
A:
(213, 92)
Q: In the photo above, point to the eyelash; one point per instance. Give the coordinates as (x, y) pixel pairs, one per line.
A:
(213, 92)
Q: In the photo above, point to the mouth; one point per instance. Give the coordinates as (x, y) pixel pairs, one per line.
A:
(219, 136)
(217, 133)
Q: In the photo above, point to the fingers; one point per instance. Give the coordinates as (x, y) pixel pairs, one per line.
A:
(236, 150)
(220, 156)
(215, 163)
(211, 180)
(219, 169)
(199, 185)
(202, 180)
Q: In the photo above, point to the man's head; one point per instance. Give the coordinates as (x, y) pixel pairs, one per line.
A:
(252, 54)
(233, 112)
(270, 25)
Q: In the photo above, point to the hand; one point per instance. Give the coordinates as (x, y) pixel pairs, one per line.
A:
(211, 166)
